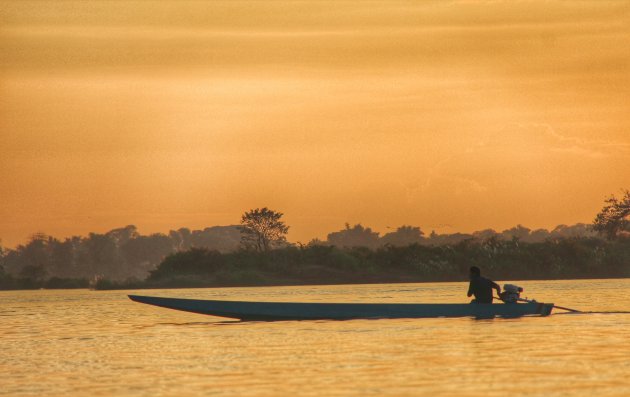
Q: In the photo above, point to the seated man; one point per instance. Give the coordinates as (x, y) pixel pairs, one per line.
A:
(481, 287)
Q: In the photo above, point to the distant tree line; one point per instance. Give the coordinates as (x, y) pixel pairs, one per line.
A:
(575, 257)
(360, 236)
(123, 253)
(256, 251)
(359, 255)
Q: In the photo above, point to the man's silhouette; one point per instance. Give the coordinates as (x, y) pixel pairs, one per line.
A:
(481, 287)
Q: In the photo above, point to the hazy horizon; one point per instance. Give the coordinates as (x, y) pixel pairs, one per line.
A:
(388, 229)
(455, 116)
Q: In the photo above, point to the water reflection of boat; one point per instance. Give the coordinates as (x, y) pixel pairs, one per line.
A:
(276, 311)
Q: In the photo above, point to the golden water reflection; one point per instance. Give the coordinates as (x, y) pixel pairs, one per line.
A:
(79, 342)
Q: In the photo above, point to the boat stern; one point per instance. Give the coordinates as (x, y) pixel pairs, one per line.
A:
(544, 309)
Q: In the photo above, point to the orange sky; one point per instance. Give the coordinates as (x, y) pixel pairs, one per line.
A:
(454, 116)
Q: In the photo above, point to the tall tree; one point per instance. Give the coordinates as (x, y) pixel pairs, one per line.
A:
(103, 255)
(121, 235)
(262, 229)
(143, 253)
(36, 252)
(2, 259)
(613, 220)
(62, 263)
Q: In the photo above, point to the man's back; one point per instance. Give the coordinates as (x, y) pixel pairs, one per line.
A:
(481, 288)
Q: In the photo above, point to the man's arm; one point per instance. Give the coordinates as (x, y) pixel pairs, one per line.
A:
(497, 287)
(470, 289)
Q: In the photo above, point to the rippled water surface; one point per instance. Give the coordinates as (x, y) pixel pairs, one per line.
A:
(91, 343)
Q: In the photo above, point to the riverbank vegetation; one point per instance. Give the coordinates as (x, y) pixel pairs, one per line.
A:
(256, 252)
(321, 264)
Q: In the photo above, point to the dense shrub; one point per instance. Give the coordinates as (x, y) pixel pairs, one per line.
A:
(583, 257)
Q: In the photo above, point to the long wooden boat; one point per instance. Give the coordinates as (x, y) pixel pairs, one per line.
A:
(276, 311)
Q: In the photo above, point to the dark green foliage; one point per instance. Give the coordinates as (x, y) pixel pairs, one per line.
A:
(33, 272)
(65, 283)
(197, 261)
(317, 264)
(130, 283)
(8, 282)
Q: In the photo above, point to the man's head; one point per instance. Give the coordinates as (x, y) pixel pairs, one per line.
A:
(474, 271)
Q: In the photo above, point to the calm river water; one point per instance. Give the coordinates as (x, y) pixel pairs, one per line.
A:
(89, 343)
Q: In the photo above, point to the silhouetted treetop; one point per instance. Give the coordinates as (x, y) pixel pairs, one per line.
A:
(356, 236)
(262, 229)
(612, 221)
(403, 236)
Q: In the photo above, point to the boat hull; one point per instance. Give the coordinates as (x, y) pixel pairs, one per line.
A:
(277, 311)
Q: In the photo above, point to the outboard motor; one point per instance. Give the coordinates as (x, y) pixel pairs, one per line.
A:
(511, 293)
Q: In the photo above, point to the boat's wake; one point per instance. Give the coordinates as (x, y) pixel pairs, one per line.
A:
(189, 324)
(596, 312)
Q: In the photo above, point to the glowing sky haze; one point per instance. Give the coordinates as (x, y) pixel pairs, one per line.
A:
(449, 115)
